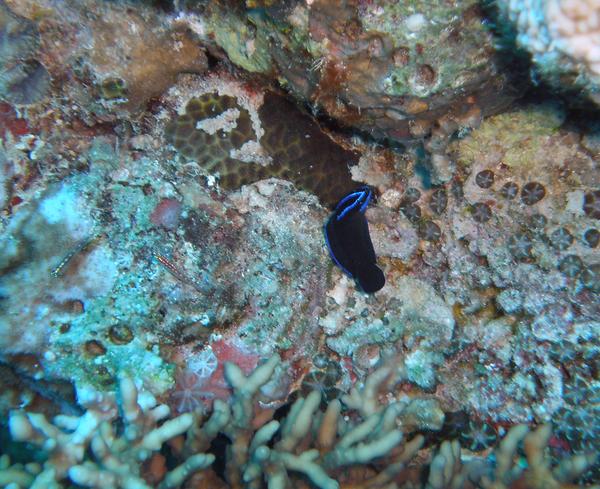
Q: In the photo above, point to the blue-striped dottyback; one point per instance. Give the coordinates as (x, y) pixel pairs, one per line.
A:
(349, 243)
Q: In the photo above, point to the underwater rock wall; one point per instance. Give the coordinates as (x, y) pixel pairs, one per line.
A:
(388, 69)
(162, 215)
(23, 79)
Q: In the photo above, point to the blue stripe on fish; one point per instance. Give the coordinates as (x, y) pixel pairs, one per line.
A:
(352, 200)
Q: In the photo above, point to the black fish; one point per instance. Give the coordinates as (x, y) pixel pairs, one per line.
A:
(347, 237)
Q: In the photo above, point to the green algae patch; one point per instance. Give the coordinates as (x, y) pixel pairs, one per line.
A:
(244, 44)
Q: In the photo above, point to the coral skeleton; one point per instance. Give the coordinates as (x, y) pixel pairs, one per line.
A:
(562, 37)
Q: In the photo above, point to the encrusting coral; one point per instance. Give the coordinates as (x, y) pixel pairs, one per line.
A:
(362, 448)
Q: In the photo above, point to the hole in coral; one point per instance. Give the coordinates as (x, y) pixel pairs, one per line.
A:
(218, 447)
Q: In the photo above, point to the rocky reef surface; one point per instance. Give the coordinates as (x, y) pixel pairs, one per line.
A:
(166, 172)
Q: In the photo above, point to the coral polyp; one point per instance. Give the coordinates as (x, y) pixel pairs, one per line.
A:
(509, 190)
(538, 222)
(411, 195)
(485, 178)
(481, 212)
(478, 436)
(561, 238)
(411, 211)
(591, 204)
(532, 193)
(429, 231)
(520, 246)
(571, 265)
(438, 200)
(592, 237)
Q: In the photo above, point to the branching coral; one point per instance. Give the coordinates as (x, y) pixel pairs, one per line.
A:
(17, 475)
(117, 455)
(309, 442)
(537, 473)
(358, 447)
(366, 451)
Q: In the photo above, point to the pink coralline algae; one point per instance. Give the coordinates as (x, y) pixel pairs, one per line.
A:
(166, 214)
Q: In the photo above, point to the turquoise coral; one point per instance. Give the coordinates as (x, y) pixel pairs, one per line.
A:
(115, 457)
(319, 445)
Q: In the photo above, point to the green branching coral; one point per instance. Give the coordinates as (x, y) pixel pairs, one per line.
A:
(91, 452)
(359, 446)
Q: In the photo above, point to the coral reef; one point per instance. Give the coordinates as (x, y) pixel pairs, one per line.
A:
(162, 217)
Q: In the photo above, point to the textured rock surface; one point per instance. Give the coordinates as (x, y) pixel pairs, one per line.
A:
(389, 69)
(23, 79)
(140, 237)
